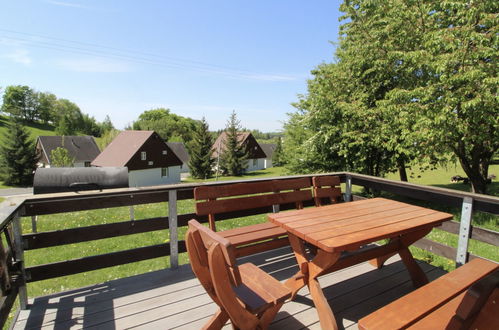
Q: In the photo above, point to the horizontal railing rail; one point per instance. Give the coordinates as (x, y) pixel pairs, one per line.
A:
(71, 202)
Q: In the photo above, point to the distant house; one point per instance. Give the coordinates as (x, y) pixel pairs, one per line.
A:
(149, 159)
(256, 156)
(82, 148)
(268, 149)
(181, 151)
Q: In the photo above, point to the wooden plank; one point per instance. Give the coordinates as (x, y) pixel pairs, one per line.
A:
(90, 233)
(6, 304)
(414, 306)
(233, 204)
(349, 241)
(228, 190)
(75, 266)
(436, 248)
(257, 236)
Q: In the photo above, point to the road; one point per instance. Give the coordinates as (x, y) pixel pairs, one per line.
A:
(15, 191)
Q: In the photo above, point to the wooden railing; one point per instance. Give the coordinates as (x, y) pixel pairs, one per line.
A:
(17, 275)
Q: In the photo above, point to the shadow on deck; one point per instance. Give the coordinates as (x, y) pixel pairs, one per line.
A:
(174, 299)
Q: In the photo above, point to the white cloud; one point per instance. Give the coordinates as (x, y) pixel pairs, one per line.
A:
(94, 65)
(66, 4)
(19, 56)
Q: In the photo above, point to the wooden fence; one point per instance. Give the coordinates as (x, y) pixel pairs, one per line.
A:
(15, 275)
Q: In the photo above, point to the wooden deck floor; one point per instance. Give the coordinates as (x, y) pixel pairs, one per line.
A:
(175, 300)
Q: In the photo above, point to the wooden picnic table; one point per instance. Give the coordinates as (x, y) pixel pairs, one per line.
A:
(340, 232)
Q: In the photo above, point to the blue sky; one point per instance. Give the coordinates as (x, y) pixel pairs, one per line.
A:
(198, 58)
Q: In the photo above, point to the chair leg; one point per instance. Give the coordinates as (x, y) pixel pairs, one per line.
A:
(269, 315)
(217, 321)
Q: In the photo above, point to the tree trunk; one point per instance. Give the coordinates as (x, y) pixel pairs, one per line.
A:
(402, 170)
(477, 180)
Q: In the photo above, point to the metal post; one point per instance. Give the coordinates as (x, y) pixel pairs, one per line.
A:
(172, 225)
(464, 232)
(19, 256)
(348, 189)
(34, 218)
(132, 213)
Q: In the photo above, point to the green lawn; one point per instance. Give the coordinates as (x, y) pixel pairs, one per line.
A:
(86, 218)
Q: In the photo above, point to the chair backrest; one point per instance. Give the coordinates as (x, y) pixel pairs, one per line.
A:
(326, 187)
(250, 195)
(214, 264)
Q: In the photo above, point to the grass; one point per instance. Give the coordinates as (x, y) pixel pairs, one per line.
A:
(439, 178)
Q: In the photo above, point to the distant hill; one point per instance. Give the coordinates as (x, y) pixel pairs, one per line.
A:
(35, 129)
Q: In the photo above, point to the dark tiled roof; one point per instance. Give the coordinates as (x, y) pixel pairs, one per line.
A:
(81, 148)
(268, 148)
(253, 148)
(180, 150)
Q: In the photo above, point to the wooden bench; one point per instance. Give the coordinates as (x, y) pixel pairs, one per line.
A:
(246, 294)
(216, 200)
(467, 297)
(326, 187)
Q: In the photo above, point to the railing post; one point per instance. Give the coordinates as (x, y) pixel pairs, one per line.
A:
(19, 255)
(172, 225)
(34, 218)
(348, 189)
(464, 231)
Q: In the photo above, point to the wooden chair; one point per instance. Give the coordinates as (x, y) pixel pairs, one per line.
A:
(245, 294)
(243, 199)
(326, 187)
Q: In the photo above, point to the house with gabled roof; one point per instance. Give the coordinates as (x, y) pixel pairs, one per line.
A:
(181, 151)
(83, 149)
(256, 156)
(149, 159)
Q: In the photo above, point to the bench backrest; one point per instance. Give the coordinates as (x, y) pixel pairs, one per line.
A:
(250, 195)
(326, 187)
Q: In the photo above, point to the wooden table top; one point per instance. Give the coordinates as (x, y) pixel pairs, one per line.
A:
(348, 226)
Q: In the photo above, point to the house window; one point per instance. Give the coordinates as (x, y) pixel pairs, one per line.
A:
(164, 172)
(87, 164)
(143, 155)
(164, 152)
(255, 162)
(150, 163)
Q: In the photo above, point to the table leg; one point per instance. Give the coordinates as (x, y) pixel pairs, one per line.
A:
(418, 276)
(308, 274)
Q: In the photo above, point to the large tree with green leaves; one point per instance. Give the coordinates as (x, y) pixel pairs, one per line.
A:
(412, 83)
(201, 162)
(18, 156)
(233, 156)
(169, 126)
(20, 101)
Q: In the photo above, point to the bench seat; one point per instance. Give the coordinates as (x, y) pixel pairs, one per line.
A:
(434, 305)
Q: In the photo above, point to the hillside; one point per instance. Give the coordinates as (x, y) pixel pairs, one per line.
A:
(35, 129)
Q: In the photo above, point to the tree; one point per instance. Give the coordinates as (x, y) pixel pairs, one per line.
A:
(201, 162)
(46, 107)
(277, 158)
(18, 156)
(69, 119)
(106, 125)
(20, 101)
(169, 126)
(457, 104)
(234, 156)
(60, 157)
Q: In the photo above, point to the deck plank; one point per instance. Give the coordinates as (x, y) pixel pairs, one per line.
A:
(175, 300)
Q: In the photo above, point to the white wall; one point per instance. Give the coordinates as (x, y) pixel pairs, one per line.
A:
(185, 168)
(260, 165)
(81, 164)
(268, 163)
(152, 177)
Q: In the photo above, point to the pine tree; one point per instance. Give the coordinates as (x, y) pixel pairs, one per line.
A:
(18, 156)
(201, 161)
(233, 160)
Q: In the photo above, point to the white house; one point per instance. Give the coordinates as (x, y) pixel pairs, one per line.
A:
(82, 149)
(149, 159)
(256, 156)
